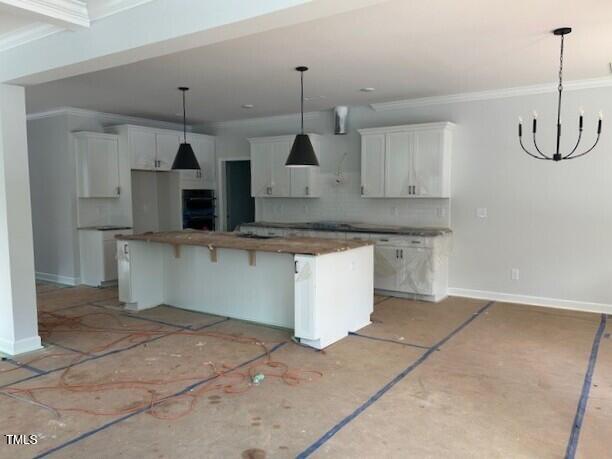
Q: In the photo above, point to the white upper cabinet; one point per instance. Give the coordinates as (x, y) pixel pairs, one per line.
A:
(141, 147)
(167, 144)
(411, 161)
(152, 149)
(399, 160)
(97, 165)
(373, 165)
(270, 178)
(204, 149)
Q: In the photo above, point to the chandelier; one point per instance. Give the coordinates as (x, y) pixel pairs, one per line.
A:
(558, 156)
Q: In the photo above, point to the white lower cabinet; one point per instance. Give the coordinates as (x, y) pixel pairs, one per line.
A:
(406, 266)
(98, 256)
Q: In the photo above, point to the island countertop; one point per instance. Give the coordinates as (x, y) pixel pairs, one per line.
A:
(352, 227)
(218, 240)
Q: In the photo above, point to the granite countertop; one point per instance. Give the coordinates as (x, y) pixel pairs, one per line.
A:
(218, 240)
(357, 228)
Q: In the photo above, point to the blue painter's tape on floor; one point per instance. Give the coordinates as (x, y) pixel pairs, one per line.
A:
(211, 324)
(572, 444)
(25, 366)
(135, 413)
(334, 430)
(375, 338)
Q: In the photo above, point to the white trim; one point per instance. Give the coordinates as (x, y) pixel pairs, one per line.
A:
(532, 300)
(26, 34)
(265, 120)
(278, 138)
(112, 118)
(20, 346)
(105, 8)
(35, 31)
(407, 127)
(222, 219)
(57, 279)
(66, 13)
(592, 83)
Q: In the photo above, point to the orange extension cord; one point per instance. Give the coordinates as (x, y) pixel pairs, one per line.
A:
(225, 379)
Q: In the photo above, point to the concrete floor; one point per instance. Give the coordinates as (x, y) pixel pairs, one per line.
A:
(463, 378)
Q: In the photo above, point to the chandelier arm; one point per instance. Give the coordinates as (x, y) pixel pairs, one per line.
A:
(568, 156)
(535, 143)
(528, 152)
(588, 151)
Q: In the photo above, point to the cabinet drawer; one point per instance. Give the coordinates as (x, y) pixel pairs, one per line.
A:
(404, 241)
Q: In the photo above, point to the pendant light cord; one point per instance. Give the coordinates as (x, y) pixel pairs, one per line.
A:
(560, 89)
(184, 120)
(302, 100)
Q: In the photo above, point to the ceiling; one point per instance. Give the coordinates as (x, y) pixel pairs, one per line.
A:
(403, 48)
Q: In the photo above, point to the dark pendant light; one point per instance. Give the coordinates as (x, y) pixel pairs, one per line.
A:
(557, 155)
(302, 154)
(185, 157)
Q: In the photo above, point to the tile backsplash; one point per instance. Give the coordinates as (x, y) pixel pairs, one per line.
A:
(343, 202)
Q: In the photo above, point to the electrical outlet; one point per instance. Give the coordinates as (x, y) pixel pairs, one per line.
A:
(516, 274)
(481, 212)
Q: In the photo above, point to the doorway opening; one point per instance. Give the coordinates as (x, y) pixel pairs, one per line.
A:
(239, 204)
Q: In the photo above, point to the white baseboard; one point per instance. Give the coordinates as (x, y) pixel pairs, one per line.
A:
(532, 300)
(20, 346)
(57, 279)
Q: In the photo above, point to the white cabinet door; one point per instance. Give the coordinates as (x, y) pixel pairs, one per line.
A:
(167, 146)
(142, 149)
(306, 181)
(204, 149)
(98, 166)
(373, 165)
(399, 164)
(261, 171)
(416, 271)
(428, 163)
(386, 267)
(110, 260)
(281, 174)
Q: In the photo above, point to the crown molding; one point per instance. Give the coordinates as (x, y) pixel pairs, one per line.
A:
(26, 34)
(264, 120)
(64, 13)
(109, 118)
(100, 9)
(492, 94)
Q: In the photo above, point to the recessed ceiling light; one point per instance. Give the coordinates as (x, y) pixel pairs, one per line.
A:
(368, 89)
(248, 106)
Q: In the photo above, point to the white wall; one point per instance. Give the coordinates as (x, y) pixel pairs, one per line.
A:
(56, 211)
(550, 220)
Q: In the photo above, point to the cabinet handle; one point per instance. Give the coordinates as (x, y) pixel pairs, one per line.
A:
(295, 266)
(362, 189)
(402, 254)
(119, 191)
(396, 253)
(125, 248)
(307, 191)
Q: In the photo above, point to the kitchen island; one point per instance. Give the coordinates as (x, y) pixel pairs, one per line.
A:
(320, 288)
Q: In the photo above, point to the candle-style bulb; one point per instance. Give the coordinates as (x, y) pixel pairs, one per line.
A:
(535, 114)
(600, 115)
(581, 111)
(520, 120)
